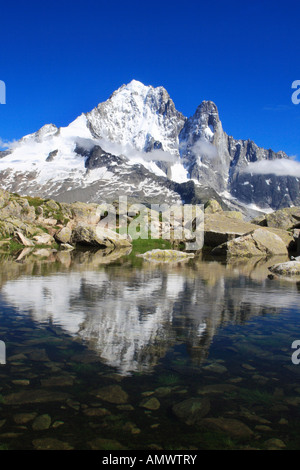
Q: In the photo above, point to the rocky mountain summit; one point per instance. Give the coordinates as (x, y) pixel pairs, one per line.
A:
(138, 145)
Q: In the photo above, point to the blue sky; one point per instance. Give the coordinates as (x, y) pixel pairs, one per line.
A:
(61, 58)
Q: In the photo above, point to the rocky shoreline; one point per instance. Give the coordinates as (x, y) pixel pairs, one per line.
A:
(44, 224)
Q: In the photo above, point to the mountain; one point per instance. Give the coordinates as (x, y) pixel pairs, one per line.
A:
(137, 144)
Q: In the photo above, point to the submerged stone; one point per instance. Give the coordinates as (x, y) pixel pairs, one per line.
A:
(192, 410)
(105, 444)
(150, 403)
(23, 418)
(51, 444)
(232, 427)
(113, 394)
(34, 396)
(41, 423)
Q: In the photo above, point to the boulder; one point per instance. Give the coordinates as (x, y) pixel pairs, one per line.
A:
(260, 242)
(44, 239)
(192, 410)
(93, 235)
(232, 427)
(166, 256)
(234, 215)
(290, 268)
(24, 240)
(286, 219)
(63, 235)
(212, 206)
(218, 229)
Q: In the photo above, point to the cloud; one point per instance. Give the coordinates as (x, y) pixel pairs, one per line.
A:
(279, 167)
(5, 144)
(132, 154)
(203, 148)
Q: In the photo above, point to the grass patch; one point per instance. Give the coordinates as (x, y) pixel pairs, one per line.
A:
(255, 396)
(140, 246)
(35, 201)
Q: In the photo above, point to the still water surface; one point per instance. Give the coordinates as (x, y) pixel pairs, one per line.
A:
(136, 355)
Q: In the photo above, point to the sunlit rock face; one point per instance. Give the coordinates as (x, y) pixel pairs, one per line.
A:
(130, 316)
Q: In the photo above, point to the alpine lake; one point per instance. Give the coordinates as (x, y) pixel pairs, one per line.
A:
(114, 353)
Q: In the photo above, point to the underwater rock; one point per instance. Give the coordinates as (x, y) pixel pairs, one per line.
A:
(192, 410)
(105, 444)
(274, 444)
(231, 427)
(113, 394)
(34, 396)
(23, 418)
(49, 443)
(41, 423)
(150, 404)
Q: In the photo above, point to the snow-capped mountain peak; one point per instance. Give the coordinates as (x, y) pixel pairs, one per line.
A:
(137, 143)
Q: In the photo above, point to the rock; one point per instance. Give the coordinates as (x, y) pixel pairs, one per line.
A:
(66, 247)
(23, 418)
(290, 268)
(105, 444)
(274, 443)
(217, 389)
(50, 221)
(41, 423)
(234, 215)
(166, 256)
(34, 396)
(58, 381)
(125, 407)
(263, 428)
(283, 421)
(63, 235)
(192, 410)
(38, 355)
(131, 427)
(219, 229)
(231, 427)
(22, 382)
(96, 412)
(112, 394)
(216, 368)
(24, 240)
(248, 367)
(57, 424)
(286, 219)
(163, 391)
(49, 443)
(212, 206)
(44, 239)
(150, 404)
(258, 243)
(42, 253)
(97, 236)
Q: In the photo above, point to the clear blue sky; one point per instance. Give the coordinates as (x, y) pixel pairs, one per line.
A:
(61, 58)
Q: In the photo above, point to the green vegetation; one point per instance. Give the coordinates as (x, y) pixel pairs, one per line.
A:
(140, 246)
(255, 396)
(168, 379)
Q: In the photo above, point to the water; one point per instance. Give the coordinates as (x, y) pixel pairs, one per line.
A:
(99, 354)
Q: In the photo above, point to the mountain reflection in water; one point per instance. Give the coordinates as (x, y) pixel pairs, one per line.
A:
(132, 312)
